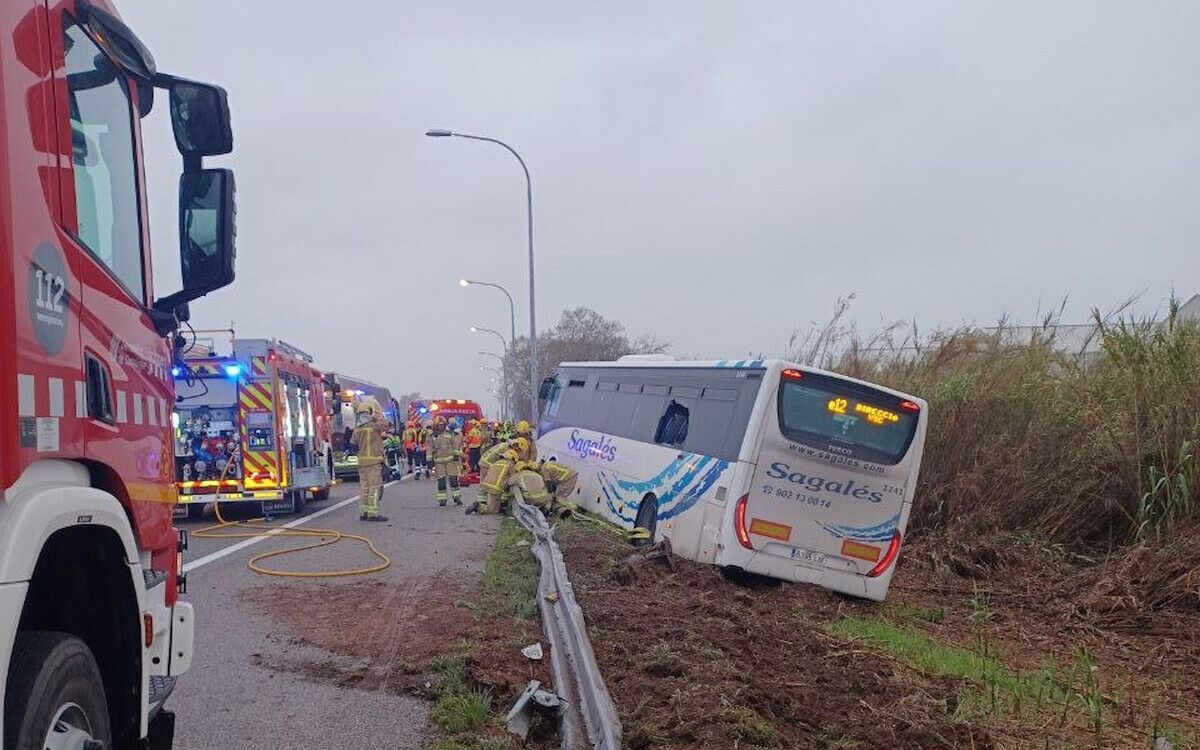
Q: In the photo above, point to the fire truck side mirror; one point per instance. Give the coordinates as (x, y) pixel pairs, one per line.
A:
(199, 117)
(206, 235)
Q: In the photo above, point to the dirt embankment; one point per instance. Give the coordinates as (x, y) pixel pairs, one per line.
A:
(697, 661)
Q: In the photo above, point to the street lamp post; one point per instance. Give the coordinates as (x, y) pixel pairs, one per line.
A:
(503, 360)
(512, 308)
(512, 333)
(533, 381)
(501, 387)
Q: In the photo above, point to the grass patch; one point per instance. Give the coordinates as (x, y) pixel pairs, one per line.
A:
(510, 575)
(463, 710)
(459, 707)
(751, 726)
(999, 689)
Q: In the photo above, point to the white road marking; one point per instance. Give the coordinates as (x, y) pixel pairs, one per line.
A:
(224, 551)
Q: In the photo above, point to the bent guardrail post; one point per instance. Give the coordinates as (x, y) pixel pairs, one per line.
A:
(590, 717)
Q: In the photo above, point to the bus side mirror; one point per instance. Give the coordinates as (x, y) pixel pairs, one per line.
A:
(546, 389)
(206, 235)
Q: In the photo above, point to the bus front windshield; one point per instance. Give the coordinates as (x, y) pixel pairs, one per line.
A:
(846, 418)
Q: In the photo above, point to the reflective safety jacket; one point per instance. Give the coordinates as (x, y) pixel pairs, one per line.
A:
(491, 456)
(474, 438)
(445, 447)
(410, 438)
(369, 439)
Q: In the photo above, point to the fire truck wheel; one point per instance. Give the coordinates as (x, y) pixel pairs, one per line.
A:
(195, 511)
(320, 495)
(55, 694)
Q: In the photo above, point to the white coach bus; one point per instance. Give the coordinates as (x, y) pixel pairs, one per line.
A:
(758, 465)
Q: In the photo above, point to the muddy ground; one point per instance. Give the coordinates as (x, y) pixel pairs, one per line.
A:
(390, 635)
(694, 660)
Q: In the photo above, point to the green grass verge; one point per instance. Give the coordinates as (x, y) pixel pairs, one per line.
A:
(463, 711)
(510, 575)
(998, 688)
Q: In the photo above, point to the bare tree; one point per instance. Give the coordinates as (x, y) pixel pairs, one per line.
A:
(582, 334)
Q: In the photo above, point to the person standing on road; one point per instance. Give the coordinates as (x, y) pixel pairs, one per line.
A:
(474, 439)
(368, 440)
(409, 438)
(421, 449)
(445, 451)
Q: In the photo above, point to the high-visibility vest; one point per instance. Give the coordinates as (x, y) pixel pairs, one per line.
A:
(445, 447)
(474, 438)
(369, 440)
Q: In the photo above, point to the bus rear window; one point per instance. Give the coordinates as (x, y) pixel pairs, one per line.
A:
(845, 418)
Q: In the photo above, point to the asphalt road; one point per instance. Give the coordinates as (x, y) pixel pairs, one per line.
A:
(228, 700)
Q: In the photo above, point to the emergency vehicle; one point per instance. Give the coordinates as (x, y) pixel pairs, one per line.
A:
(450, 408)
(92, 632)
(250, 426)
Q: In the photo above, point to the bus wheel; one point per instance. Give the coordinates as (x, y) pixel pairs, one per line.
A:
(55, 694)
(647, 518)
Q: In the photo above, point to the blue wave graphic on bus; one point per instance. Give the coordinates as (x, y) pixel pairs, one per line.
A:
(692, 494)
(610, 493)
(880, 532)
(668, 471)
(737, 364)
(682, 494)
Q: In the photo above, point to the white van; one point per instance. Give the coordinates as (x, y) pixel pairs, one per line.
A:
(759, 465)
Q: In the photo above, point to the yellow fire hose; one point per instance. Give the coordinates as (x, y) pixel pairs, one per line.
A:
(255, 527)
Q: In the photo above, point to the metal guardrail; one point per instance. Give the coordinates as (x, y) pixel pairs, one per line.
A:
(590, 719)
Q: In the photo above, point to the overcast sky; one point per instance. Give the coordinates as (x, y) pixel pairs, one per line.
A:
(714, 173)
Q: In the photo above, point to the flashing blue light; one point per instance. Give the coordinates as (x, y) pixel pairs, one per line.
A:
(176, 371)
(423, 410)
(232, 371)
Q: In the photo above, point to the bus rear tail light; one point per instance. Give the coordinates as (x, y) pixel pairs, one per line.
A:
(792, 375)
(909, 406)
(889, 557)
(739, 522)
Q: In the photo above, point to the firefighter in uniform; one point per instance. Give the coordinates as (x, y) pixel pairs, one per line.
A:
(474, 440)
(523, 429)
(421, 450)
(487, 434)
(498, 465)
(368, 438)
(445, 451)
(528, 478)
(409, 438)
(561, 480)
(391, 449)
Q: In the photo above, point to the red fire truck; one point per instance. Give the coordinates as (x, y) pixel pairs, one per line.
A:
(250, 426)
(92, 633)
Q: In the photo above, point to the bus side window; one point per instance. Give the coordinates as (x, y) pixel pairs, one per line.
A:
(673, 425)
(554, 392)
